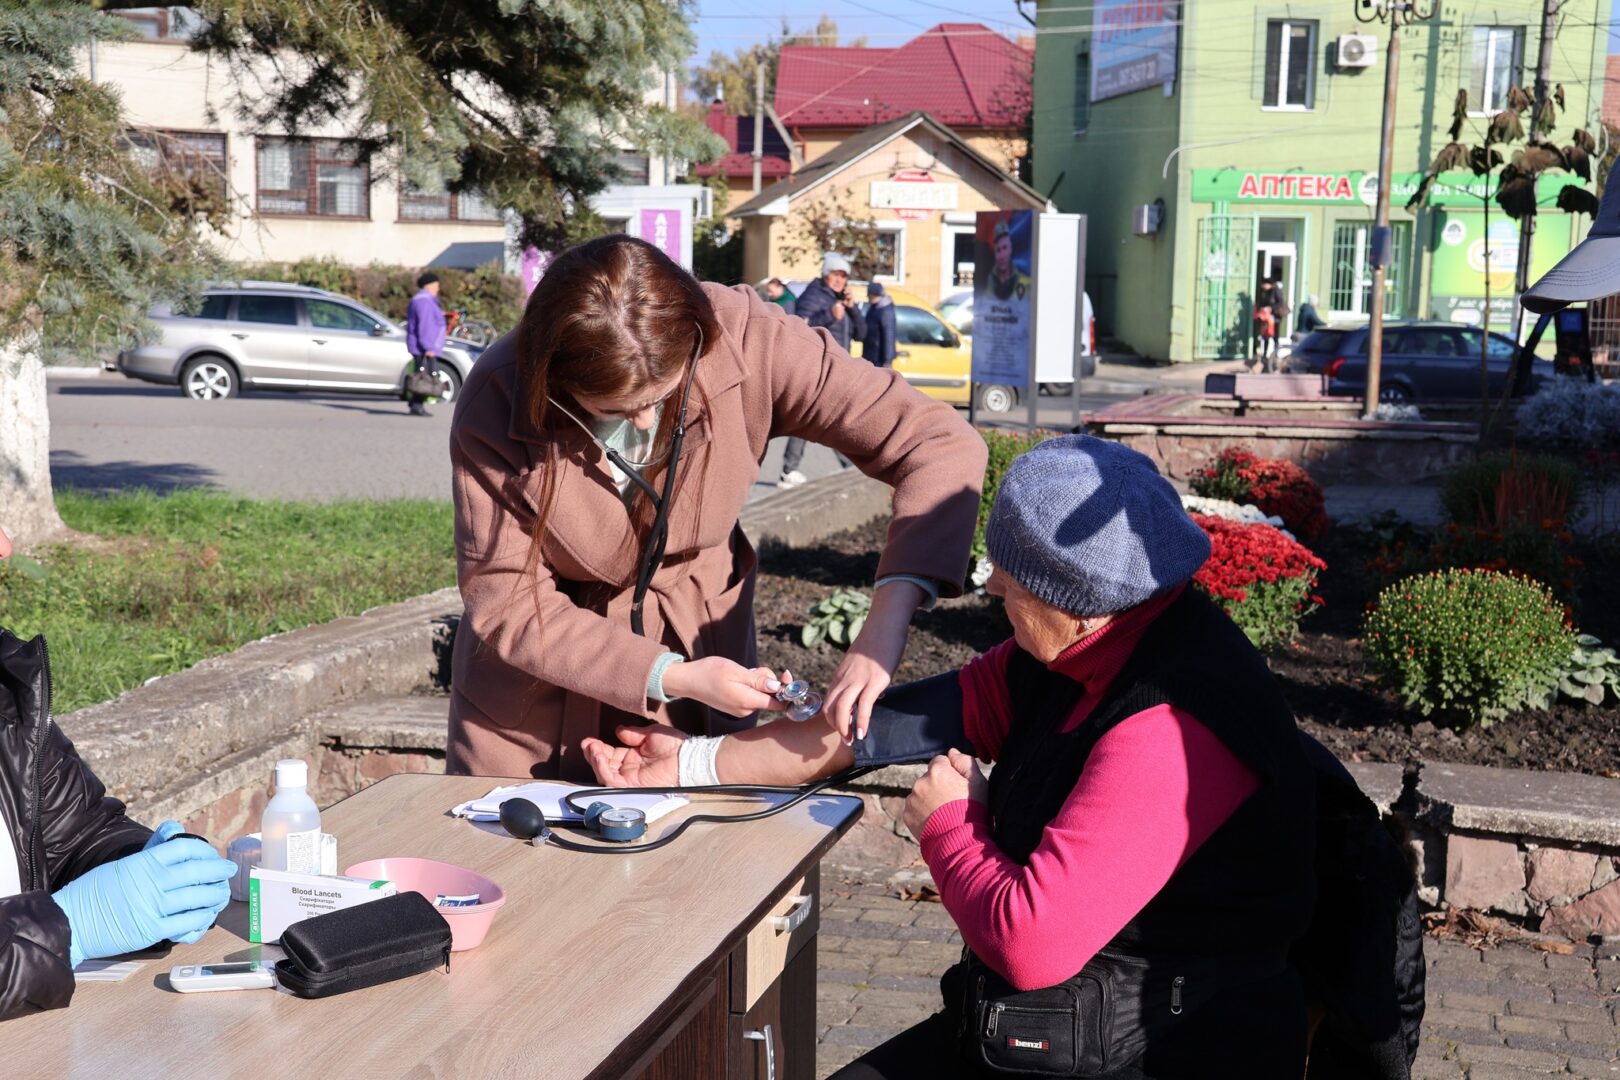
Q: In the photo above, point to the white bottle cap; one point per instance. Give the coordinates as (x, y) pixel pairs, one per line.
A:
(292, 773)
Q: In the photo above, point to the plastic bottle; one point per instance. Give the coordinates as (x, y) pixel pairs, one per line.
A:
(292, 822)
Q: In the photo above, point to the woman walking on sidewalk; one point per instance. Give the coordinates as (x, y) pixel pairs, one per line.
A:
(601, 455)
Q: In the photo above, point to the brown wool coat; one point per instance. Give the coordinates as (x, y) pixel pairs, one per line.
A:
(528, 688)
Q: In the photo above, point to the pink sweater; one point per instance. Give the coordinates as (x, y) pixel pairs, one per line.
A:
(1154, 789)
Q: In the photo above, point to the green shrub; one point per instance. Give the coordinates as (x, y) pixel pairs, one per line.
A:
(1468, 644)
(1499, 488)
(1261, 578)
(837, 619)
(1004, 447)
(1592, 673)
(485, 293)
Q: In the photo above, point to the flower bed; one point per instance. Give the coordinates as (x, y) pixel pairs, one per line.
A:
(1262, 578)
(1280, 488)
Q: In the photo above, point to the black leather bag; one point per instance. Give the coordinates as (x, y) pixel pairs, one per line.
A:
(425, 383)
(1061, 1030)
(392, 938)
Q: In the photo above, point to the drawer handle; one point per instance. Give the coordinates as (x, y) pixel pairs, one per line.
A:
(794, 918)
(770, 1049)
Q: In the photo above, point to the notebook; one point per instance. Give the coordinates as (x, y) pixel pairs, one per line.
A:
(549, 798)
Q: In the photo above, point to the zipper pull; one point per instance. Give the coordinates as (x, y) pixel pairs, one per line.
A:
(993, 1020)
(1175, 994)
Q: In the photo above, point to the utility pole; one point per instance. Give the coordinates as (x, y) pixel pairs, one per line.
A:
(1527, 224)
(759, 127)
(1397, 13)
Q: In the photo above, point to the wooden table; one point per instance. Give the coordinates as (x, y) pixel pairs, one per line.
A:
(662, 965)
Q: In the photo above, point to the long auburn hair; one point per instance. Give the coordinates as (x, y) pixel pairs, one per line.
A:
(610, 318)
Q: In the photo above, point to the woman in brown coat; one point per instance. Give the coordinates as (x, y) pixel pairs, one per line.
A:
(616, 344)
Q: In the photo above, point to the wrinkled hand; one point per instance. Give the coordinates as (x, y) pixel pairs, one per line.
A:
(173, 890)
(724, 685)
(649, 757)
(949, 777)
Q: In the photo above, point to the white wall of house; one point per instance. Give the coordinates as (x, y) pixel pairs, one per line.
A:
(167, 87)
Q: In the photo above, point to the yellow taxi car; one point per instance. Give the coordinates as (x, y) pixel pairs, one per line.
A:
(932, 356)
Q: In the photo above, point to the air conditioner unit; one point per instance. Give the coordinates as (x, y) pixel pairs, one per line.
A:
(1357, 51)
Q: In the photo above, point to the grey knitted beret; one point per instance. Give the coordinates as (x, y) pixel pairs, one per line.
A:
(1091, 528)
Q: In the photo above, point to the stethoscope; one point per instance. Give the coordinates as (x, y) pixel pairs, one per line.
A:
(652, 556)
(620, 826)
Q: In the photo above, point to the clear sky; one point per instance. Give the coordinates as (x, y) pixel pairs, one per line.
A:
(728, 25)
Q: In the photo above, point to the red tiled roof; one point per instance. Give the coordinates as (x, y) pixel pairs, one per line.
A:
(1611, 92)
(962, 74)
(738, 131)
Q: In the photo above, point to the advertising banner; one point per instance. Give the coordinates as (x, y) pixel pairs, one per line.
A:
(1133, 45)
(1004, 294)
(1459, 189)
(1463, 262)
(531, 266)
(662, 229)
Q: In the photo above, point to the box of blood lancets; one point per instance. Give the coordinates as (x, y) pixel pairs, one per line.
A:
(279, 898)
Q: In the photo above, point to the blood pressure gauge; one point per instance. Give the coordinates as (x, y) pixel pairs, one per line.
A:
(619, 825)
(802, 702)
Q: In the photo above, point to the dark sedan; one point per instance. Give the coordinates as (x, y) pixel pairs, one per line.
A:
(1423, 361)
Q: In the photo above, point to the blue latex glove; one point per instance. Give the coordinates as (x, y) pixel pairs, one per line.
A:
(162, 833)
(172, 890)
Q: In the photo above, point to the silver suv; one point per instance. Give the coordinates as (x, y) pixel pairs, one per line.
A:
(274, 336)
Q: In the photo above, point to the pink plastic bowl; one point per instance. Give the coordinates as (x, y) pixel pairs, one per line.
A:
(431, 878)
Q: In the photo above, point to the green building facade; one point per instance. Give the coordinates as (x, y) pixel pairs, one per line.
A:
(1215, 142)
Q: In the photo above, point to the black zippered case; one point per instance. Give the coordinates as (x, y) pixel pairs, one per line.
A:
(377, 942)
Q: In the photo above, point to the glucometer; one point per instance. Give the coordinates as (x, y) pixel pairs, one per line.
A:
(204, 978)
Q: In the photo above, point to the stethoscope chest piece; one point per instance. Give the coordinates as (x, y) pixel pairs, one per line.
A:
(618, 825)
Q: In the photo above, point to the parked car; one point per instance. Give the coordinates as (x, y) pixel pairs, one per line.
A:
(266, 335)
(1422, 361)
(957, 309)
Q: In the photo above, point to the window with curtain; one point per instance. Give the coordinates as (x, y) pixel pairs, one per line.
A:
(1350, 290)
(417, 205)
(1498, 56)
(312, 177)
(1290, 64)
(182, 161)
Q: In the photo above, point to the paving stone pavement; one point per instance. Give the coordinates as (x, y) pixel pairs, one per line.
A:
(1504, 1013)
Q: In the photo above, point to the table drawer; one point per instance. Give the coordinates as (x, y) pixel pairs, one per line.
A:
(774, 941)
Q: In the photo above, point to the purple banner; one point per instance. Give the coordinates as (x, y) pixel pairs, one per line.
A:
(663, 229)
(531, 267)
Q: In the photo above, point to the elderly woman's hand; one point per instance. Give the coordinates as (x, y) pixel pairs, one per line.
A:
(650, 756)
(949, 777)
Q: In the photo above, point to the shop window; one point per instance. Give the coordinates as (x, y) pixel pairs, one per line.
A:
(890, 263)
(418, 205)
(1498, 58)
(1351, 289)
(1290, 64)
(188, 165)
(312, 177)
(1082, 88)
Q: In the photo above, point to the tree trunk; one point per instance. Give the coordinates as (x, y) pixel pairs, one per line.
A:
(27, 509)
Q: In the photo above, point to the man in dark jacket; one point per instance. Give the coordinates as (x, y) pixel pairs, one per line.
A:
(78, 879)
(878, 345)
(826, 303)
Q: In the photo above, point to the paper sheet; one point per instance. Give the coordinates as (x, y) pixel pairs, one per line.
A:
(105, 970)
(548, 797)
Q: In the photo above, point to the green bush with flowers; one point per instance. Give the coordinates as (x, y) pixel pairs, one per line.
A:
(1468, 644)
(1260, 577)
(1277, 487)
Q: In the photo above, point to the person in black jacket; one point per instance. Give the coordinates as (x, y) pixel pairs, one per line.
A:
(78, 879)
(878, 346)
(827, 303)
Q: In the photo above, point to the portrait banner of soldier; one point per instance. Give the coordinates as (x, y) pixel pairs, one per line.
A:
(1004, 294)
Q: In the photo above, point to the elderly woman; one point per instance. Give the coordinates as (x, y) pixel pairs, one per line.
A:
(1130, 878)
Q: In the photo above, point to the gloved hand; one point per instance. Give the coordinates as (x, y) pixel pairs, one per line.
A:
(162, 833)
(172, 890)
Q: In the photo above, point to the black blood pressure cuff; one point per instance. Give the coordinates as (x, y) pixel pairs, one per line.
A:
(914, 722)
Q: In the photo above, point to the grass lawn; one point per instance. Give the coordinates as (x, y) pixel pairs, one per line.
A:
(164, 581)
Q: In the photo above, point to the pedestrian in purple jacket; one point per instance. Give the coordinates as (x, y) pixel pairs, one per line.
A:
(425, 333)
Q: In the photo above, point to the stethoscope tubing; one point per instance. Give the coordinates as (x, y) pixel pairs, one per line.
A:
(800, 793)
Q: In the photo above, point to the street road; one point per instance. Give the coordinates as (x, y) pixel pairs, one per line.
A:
(110, 433)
